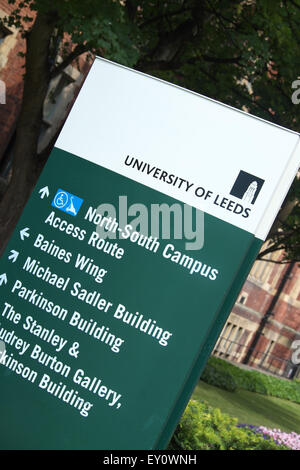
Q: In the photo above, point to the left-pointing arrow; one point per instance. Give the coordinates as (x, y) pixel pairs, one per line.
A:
(24, 233)
(13, 255)
(3, 279)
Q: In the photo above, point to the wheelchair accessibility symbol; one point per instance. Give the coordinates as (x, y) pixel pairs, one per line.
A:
(67, 202)
(61, 199)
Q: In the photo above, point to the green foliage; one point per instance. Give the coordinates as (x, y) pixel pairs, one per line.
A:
(217, 376)
(101, 27)
(243, 53)
(250, 380)
(205, 428)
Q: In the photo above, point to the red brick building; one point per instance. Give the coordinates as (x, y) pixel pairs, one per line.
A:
(61, 95)
(11, 73)
(274, 348)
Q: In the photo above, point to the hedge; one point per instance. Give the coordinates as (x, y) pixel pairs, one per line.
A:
(230, 377)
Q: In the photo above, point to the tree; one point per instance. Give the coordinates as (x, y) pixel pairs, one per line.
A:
(90, 26)
(241, 53)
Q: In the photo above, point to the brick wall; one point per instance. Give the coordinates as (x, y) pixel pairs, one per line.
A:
(12, 71)
(273, 351)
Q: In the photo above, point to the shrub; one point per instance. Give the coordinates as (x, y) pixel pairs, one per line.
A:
(251, 380)
(205, 428)
(214, 375)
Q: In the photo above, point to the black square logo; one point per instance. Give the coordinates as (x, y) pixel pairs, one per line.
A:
(247, 187)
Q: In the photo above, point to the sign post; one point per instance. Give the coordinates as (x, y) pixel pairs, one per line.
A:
(128, 258)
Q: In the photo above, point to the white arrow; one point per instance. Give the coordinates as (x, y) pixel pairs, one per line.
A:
(13, 255)
(24, 233)
(44, 192)
(3, 278)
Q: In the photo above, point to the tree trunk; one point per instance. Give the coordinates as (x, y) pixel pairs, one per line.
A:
(26, 167)
(283, 214)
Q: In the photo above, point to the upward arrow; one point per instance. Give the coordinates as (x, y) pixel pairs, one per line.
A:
(3, 278)
(44, 192)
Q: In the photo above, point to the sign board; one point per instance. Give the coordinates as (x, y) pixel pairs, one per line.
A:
(128, 258)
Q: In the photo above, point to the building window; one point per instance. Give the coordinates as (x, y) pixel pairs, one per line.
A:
(64, 81)
(264, 356)
(3, 33)
(228, 344)
(243, 298)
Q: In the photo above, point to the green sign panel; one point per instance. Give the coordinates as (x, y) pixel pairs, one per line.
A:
(127, 260)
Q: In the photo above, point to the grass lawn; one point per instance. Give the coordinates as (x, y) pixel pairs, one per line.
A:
(252, 408)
